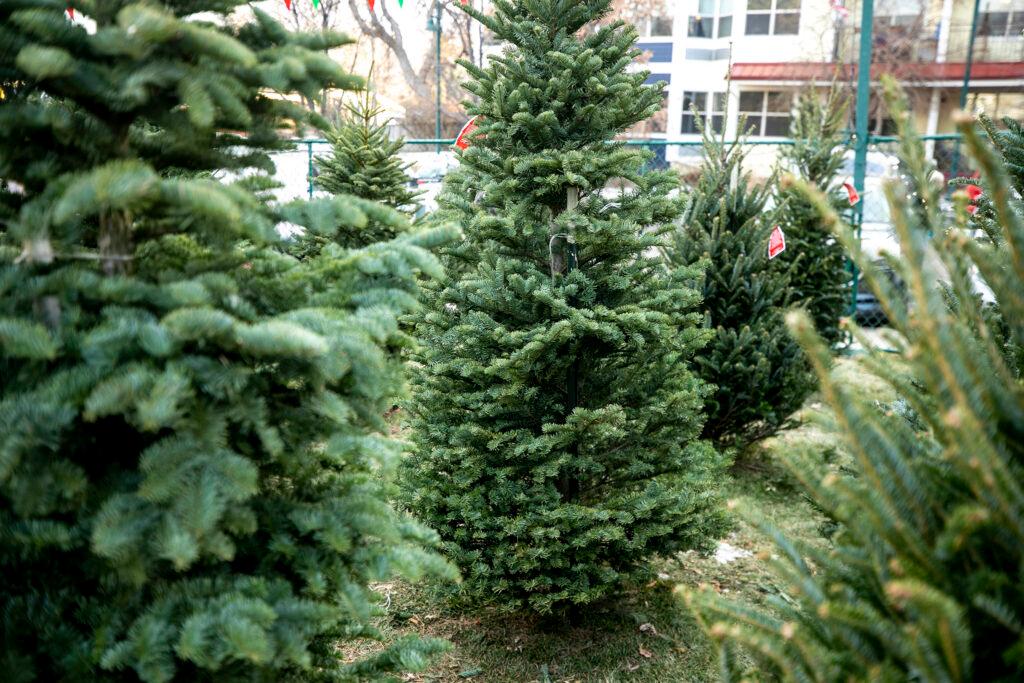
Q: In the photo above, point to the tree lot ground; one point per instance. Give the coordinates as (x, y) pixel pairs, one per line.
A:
(647, 635)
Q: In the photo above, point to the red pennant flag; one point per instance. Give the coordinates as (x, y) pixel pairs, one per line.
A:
(288, 4)
(776, 243)
(370, 3)
(851, 192)
(462, 140)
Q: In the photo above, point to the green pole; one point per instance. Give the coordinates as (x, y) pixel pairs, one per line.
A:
(860, 159)
(437, 54)
(309, 167)
(968, 63)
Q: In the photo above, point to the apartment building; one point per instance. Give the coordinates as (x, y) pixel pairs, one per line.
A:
(725, 60)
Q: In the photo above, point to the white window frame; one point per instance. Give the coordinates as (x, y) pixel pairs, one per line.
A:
(708, 113)
(759, 119)
(716, 19)
(773, 13)
(1013, 13)
(888, 14)
(650, 26)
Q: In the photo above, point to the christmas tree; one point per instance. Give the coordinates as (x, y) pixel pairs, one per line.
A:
(759, 373)
(194, 471)
(364, 163)
(555, 418)
(820, 279)
(922, 581)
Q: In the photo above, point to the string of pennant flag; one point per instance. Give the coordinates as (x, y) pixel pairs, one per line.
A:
(288, 5)
(371, 3)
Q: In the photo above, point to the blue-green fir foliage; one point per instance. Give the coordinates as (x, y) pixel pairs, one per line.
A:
(364, 162)
(922, 581)
(556, 420)
(759, 373)
(193, 468)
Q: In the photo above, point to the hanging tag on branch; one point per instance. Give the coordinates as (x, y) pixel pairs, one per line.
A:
(462, 140)
(71, 12)
(973, 192)
(562, 254)
(851, 193)
(776, 242)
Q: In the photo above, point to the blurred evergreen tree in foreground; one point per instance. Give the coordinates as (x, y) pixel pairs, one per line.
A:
(194, 471)
(922, 580)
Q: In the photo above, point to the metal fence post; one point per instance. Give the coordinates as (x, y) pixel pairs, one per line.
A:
(860, 159)
(309, 166)
(968, 63)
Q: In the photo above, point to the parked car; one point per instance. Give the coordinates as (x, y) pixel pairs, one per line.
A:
(876, 236)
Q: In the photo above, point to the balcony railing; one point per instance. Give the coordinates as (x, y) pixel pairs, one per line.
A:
(896, 44)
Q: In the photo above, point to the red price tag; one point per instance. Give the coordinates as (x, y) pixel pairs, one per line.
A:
(462, 141)
(776, 242)
(851, 193)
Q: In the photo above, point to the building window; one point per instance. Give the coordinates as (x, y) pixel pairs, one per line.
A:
(713, 20)
(999, 104)
(660, 27)
(773, 17)
(901, 14)
(767, 112)
(709, 107)
(1000, 18)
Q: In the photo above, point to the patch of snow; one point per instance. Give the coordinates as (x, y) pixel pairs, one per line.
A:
(726, 553)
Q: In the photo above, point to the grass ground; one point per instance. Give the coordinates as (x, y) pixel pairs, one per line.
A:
(646, 635)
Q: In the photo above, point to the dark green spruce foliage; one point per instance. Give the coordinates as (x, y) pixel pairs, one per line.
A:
(194, 471)
(922, 582)
(819, 277)
(364, 163)
(759, 372)
(556, 420)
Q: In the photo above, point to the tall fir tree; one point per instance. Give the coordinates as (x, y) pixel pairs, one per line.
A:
(364, 162)
(819, 275)
(759, 373)
(922, 581)
(194, 471)
(555, 418)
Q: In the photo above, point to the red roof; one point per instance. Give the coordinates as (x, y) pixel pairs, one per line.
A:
(925, 71)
